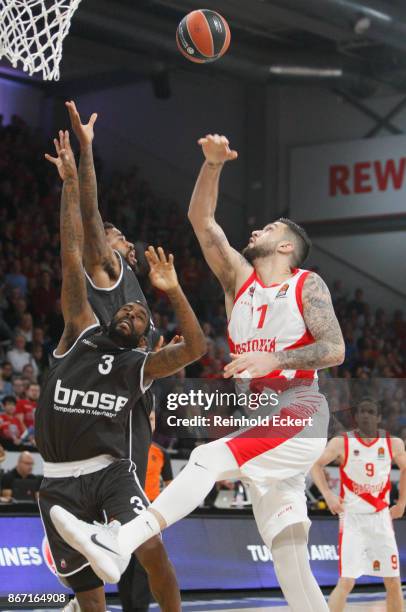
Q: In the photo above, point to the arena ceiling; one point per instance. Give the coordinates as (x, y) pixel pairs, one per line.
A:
(355, 45)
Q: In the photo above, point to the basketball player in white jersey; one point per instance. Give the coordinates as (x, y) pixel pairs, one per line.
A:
(286, 313)
(367, 544)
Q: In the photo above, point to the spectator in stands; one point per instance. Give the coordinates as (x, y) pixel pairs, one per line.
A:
(23, 470)
(357, 303)
(6, 387)
(18, 356)
(25, 408)
(12, 430)
(15, 279)
(19, 387)
(25, 327)
(44, 297)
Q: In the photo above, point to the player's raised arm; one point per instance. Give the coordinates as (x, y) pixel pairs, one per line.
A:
(399, 457)
(224, 261)
(97, 253)
(334, 451)
(76, 310)
(173, 357)
(327, 349)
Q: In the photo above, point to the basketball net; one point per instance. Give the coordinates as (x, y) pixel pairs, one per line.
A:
(32, 32)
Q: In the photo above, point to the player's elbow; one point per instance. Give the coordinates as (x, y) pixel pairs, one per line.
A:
(340, 354)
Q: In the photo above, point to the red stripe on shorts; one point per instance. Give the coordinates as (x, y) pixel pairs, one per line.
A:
(249, 445)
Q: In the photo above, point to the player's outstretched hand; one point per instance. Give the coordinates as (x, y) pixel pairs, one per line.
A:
(254, 364)
(65, 160)
(397, 511)
(334, 503)
(162, 271)
(216, 149)
(83, 132)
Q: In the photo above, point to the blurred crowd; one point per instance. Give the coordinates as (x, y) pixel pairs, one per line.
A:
(30, 277)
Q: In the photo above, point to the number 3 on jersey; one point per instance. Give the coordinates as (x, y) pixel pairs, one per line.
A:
(107, 363)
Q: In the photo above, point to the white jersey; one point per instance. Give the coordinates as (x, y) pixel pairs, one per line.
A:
(271, 319)
(365, 473)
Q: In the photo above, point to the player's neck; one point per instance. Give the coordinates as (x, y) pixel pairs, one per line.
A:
(368, 436)
(271, 270)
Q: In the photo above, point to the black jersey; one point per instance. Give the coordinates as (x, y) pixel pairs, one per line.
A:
(86, 399)
(106, 301)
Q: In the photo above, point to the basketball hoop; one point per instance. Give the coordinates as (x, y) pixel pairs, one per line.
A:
(33, 31)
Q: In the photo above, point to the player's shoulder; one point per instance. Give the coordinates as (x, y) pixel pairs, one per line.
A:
(398, 445)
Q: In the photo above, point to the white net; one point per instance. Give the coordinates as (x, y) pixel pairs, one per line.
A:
(32, 32)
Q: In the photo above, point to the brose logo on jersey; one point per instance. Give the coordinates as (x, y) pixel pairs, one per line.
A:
(63, 396)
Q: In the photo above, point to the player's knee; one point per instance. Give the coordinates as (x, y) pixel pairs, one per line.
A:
(392, 584)
(346, 584)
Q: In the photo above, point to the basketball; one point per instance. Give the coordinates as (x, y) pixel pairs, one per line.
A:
(203, 36)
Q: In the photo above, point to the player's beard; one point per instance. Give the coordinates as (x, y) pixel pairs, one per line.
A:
(251, 253)
(131, 340)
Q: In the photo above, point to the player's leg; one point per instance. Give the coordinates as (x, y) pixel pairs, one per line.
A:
(292, 568)
(92, 601)
(161, 574)
(338, 597)
(133, 588)
(207, 464)
(394, 596)
(73, 569)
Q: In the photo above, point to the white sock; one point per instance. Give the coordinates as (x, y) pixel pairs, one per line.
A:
(137, 531)
(207, 464)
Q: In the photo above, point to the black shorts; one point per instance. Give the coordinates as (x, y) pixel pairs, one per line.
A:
(113, 493)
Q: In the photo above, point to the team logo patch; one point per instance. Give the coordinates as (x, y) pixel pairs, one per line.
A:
(63, 564)
(381, 452)
(282, 291)
(251, 291)
(356, 452)
(376, 566)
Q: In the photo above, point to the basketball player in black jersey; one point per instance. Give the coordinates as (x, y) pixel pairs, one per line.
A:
(109, 260)
(97, 376)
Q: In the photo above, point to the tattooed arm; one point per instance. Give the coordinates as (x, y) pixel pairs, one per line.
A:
(225, 262)
(98, 256)
(327, 349)
(173, 357)
(76, 310)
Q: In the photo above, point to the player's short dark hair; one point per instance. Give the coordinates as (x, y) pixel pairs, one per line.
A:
(9, 399)
(367, 399)
(107, 225)
(303, 242)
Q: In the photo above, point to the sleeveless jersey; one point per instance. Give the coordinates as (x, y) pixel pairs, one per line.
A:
(365, 473)
(105, 302)
(271, 319)
(86, 399)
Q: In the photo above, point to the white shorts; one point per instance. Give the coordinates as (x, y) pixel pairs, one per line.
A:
(367, 545)
(276, 462)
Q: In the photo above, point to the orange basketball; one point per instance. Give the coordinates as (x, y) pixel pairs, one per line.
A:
(203, 36)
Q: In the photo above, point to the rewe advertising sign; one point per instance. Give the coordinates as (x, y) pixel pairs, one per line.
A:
(361, 178)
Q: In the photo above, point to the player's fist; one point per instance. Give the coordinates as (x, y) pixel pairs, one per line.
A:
(335, 503)
(216, 149)
(162, 271)
(83, 132)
